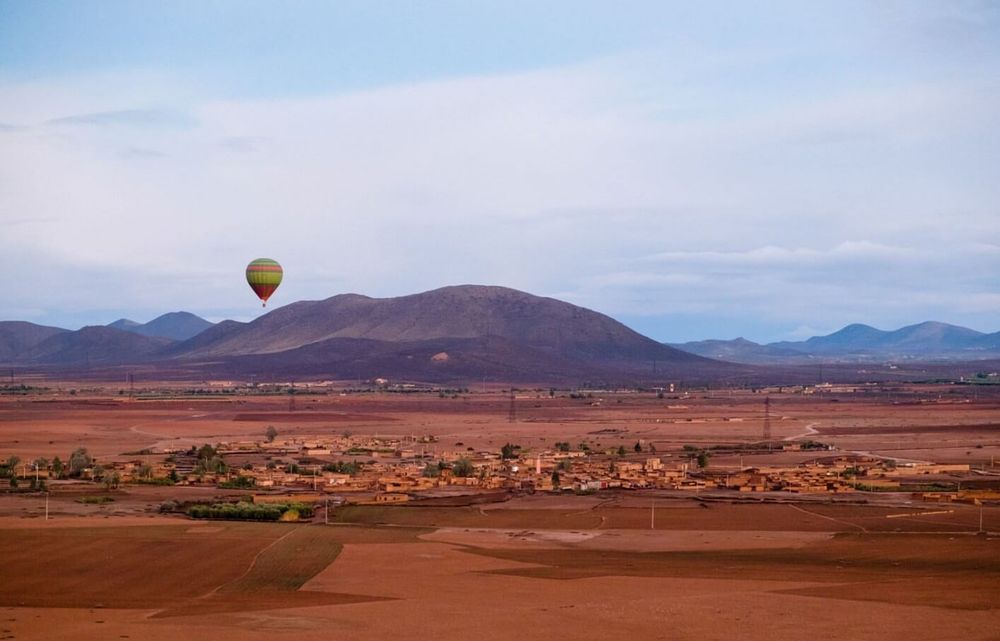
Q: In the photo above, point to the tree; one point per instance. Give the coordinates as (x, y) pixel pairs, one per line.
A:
(621, 450)
(213, 465)
(206, 451)
(79, 460)
(508, 451)
(703, 459)
(652, 449)
(112, 479)
(270, 433)
(462, 467)
(431, 470)
(11, 465)
(58, 467)
(555, 479)
(173, 476)
(638, 447)
(145, 471)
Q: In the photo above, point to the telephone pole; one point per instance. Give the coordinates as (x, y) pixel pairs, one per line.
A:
(512, 412)
(767, 421)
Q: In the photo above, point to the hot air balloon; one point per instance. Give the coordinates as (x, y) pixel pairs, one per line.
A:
(264, 276)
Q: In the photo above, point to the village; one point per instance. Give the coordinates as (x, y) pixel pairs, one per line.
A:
(371, 469)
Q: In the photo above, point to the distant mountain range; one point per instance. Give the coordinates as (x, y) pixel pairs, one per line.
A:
(929, 341)
(462, 333)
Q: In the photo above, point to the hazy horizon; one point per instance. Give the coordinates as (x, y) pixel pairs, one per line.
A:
(635, 326)
(694, 171)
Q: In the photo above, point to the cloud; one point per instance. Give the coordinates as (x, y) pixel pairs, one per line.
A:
(30, 221)
(125, 118)
(853, 252)
(142, 152)
(242, 144)
(722, 183)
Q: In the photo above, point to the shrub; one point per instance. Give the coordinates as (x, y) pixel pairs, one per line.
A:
(239, 483)
(244, 511)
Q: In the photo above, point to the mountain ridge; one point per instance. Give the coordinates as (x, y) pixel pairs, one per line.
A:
(857, 342)
(461, 331)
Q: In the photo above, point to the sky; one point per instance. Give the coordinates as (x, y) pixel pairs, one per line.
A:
(696, 170)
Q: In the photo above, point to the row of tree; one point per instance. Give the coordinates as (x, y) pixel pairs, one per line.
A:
(80, 460)
(250, 511)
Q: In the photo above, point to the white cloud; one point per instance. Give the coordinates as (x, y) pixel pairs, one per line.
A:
(633, 187)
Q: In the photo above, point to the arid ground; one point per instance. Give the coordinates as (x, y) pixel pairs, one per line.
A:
(615, 564)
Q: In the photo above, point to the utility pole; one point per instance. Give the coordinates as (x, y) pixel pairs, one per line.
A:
(47, 507)
(767, 421)
(326, 512)
(652, 514)
(512, 412)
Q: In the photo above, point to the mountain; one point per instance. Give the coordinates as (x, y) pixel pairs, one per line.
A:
(852, 338)
(94, 345)
(468, 333)
(928, 340)
(741, 350)
(458, 312)
(17, 338)
(465, 331)
(857, 343)
(126, 324)
(178, 326)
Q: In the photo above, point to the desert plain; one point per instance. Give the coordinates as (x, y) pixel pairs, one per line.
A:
(654, 563)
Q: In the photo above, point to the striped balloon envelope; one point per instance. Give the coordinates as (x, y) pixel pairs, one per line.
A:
(264, 276)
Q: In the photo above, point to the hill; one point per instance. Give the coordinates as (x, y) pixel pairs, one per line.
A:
(741, 350)
(927, 340)
(465, 332)
(176, 326)
(17, 338)
(94, 345)
(857, 343)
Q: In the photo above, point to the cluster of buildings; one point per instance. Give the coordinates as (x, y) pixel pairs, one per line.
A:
(391, 469)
